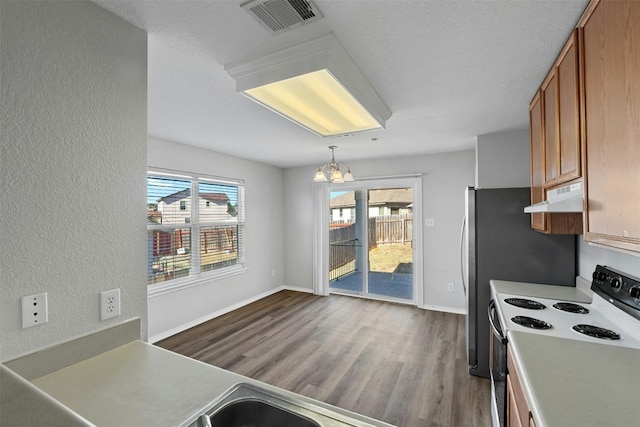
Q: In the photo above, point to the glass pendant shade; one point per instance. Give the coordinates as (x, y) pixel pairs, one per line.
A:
(347, 176)
(336, 176)
(320, 176)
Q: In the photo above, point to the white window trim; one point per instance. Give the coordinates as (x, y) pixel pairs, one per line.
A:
(174, 285)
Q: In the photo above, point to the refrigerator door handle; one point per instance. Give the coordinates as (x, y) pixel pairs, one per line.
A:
(464, 223)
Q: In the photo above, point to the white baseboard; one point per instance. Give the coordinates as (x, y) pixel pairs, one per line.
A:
(297, 289)
(218, 313)
(444, 309)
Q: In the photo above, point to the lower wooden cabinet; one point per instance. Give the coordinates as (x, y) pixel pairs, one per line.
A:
(518, 410)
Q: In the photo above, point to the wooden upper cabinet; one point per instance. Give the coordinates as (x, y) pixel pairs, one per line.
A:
(537, 163)
(555, 140)
(550, 126)
(569, 149)
(560, 93)
(610, 75)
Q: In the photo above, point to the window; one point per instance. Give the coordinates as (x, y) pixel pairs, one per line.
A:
(195, 225)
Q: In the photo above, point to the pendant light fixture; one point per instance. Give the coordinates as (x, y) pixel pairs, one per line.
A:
(333, 168)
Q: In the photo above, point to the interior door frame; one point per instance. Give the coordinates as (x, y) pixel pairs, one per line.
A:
(322, 216)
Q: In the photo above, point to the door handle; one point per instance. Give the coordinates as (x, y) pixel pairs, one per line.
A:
(464, 223)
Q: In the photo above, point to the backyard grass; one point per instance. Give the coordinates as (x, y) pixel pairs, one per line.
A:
(391, 258)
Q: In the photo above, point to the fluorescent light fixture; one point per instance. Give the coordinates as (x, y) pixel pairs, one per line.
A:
(314, 84)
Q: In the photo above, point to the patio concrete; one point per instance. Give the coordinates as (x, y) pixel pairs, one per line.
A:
(395, 285)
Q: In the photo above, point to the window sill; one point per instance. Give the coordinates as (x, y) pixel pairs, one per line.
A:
(188, 282)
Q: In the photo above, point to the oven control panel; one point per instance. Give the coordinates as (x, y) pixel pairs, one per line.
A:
(619, 289)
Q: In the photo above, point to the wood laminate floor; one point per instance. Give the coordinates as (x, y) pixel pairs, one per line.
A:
(392, 362)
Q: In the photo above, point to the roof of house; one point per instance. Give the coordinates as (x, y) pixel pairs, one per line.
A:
(214, 197)
(390, 196)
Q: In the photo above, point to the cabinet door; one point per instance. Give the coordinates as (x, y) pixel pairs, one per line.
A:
(513, 414)
(610, 36)
(568, 166)
(550, 127)
(537, 164)
(518, 411)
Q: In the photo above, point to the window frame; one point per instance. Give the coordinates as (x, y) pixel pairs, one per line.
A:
(197, 277)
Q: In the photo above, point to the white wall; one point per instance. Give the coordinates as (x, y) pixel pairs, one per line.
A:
(445, 178)
(502, 160)
(589, 256)
(73, 126)
(264, 204)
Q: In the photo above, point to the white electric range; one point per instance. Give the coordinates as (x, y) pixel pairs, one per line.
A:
(599, 321)
(612, 318)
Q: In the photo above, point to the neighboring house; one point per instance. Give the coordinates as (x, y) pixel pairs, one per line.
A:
(171, 246)
(176, 208)
(393, 201)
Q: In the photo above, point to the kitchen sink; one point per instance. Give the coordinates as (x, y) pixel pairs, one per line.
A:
(246, 405)
(256, 413)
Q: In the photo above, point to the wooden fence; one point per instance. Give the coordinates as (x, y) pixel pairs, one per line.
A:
(392, 229)
(383, 230)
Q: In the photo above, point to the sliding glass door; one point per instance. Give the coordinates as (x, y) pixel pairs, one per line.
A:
(371, 240)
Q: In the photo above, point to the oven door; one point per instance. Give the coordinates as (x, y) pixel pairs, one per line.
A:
(498, 368)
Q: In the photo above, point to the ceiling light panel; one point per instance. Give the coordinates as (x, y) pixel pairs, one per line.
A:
(317, 101)
(314, 84)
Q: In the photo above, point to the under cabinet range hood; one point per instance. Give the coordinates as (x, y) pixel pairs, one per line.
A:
(562, 199)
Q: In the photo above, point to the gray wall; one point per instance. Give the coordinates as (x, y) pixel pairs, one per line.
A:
(502, 160)
(264, 201)
(73, 168)
(445, 178)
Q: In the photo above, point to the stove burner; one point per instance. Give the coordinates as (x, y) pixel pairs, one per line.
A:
(525, 303)
(530, 322)
(571, 307)
(597, 332)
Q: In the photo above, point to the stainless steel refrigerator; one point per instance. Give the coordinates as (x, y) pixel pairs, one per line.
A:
(497, 242)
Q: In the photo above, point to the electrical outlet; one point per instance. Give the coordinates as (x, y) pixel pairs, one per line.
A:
(273, 273)
(450, 287)
(109, 304)
(429, 222)
(34, 310)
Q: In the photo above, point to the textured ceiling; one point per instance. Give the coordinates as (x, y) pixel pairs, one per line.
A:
(448, 70)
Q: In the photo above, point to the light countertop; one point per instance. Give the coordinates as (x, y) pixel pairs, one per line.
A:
(138, 384)
(576, 383)
(563, 293)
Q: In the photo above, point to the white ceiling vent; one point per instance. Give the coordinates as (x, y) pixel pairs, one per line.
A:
(280, 15)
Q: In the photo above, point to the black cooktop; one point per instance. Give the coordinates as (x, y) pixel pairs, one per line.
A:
(597, 332)
(571, 307)
(525, 303)
(530, 322)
